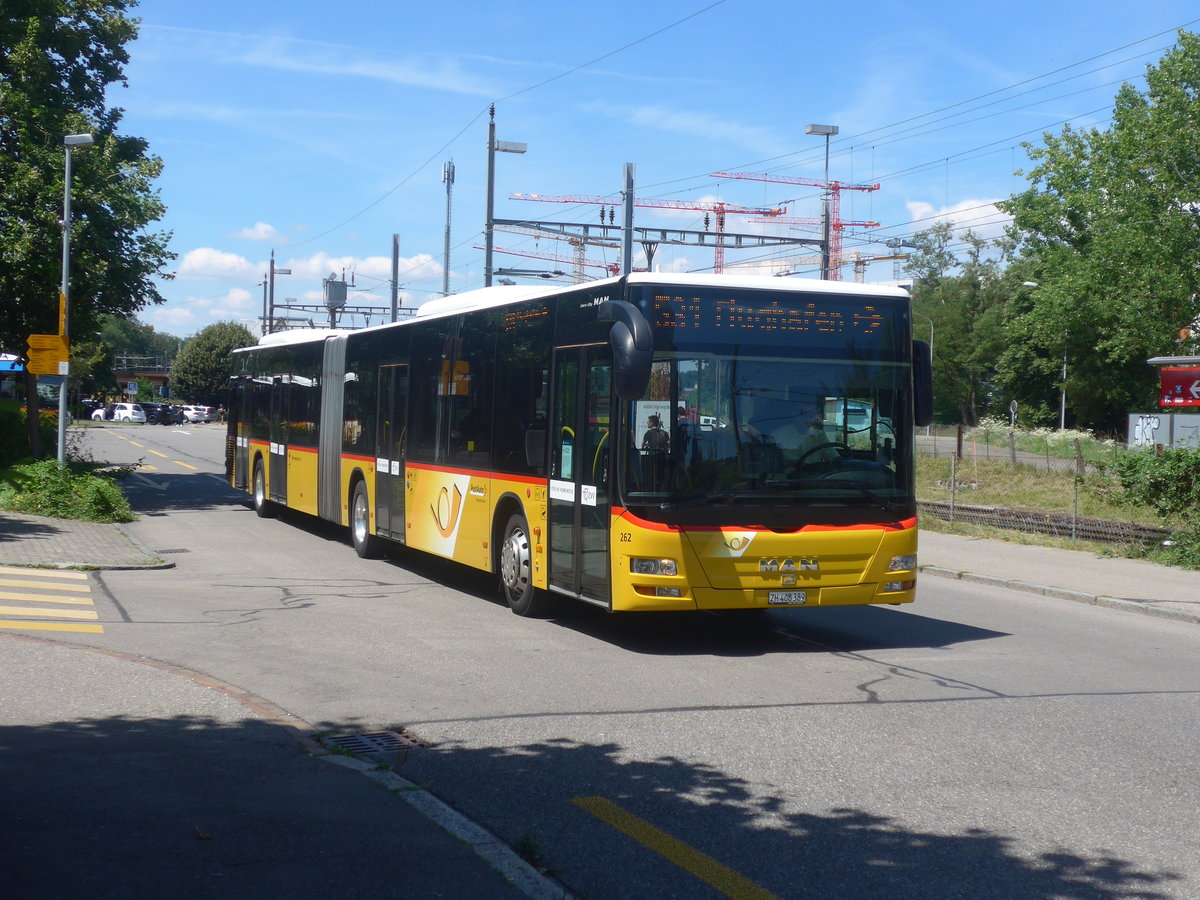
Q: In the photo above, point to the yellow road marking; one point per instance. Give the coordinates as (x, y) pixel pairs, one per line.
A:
(118, 436)
(49, 614)
(52, 626)
(704, 867)
(156, 453)
(46, 598)
(42, 573)
(136, 444)
(147, 468)
(185, 465)
(11, 582)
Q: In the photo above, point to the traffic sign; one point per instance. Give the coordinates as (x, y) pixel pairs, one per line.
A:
(1180, 386)
(48, 354)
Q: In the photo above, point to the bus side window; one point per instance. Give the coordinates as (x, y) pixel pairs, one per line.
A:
(535, 447)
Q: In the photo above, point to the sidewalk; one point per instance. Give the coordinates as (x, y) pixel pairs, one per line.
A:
(1133, 585)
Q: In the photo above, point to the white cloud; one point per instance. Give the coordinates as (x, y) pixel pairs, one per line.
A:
(695, 124)
(207, 263)
(977, 215)
(261, 231)
(288, 54)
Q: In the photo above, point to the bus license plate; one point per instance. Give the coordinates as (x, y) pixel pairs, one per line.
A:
(787, 598)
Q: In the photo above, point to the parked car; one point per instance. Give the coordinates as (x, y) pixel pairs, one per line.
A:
(121, 412)
(162, 414)
(197, 413)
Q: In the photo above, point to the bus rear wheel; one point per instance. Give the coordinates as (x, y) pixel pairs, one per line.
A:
(516, 571)
(366, 545)
(262, 505)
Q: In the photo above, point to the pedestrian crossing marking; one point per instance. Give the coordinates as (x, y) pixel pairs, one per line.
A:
(16, 582)
(42, 573)
(42, 613)
(45, 608)
(45, 598)
(52, 626)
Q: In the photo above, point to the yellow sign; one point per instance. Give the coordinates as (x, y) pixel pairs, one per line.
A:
(46, 353)
(62, 313)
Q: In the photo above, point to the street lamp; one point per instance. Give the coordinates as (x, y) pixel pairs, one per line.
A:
(271, 290)
(64, 300)
(493, 146)
(827, 131)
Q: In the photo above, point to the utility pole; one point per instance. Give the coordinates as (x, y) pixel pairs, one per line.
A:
(627, 221)
(271, 289)
(448, 177)
(395, 276)
(493, 146)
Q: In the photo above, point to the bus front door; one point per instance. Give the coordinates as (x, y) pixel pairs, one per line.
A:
(279, 439)
(389, 446)
(579, 494)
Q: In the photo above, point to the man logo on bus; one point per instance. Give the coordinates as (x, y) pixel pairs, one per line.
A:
(445, 514)
(803, 564)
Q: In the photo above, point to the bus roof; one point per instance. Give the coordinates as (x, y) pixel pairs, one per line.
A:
(484, 298)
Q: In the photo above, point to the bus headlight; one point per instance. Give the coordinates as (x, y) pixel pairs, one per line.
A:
(906, 563)
(641, 566)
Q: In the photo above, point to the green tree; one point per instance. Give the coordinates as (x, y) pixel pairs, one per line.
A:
(1110, 225)
(58, 59)
(203, 367)
(963, 302)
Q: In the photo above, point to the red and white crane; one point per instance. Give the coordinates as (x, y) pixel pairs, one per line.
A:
(836, 224)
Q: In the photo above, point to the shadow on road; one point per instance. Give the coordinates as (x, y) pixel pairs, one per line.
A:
(192, 806)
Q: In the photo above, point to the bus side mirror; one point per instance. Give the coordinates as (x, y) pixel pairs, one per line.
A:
(922, 373)
(631, 346)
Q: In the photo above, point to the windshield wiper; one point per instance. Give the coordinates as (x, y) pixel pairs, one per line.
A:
(889, 505)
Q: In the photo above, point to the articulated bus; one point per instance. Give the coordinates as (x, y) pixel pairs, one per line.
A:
(647, 442)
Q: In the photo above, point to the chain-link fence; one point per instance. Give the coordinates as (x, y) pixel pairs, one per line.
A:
(1057, 483)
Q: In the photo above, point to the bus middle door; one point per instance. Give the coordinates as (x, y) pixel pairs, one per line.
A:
(279, 439)
(389, 450)
(579, 494)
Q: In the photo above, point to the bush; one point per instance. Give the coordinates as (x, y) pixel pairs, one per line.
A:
(14, 445)
(1169, 483)
(74, 491)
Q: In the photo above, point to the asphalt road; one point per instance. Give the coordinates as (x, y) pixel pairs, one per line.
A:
(980, 743)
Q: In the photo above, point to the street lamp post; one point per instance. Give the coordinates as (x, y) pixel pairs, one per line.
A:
(271, 290)
(493, 146)
(827, 131)
(64, 300)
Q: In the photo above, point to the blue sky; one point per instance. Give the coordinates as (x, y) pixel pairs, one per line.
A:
(320, 130)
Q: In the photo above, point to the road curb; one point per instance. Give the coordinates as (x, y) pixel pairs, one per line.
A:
(1145, 608)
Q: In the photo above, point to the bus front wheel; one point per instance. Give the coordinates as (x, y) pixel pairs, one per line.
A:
(262, 505)
(366, 545)
(516, 571)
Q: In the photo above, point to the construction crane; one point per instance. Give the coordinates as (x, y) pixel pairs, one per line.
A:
(577, 261)
(577, 246)
(836, 227)
(718, 208)
(836, 224)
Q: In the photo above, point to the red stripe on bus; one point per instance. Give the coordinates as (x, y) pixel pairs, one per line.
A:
(904, 525)
(357, 458)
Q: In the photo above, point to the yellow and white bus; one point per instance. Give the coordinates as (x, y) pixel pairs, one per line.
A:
(648, 442)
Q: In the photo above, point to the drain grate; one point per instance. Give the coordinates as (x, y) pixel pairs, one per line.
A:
(374, 742)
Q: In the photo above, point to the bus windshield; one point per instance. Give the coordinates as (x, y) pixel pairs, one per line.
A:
(814, 429)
